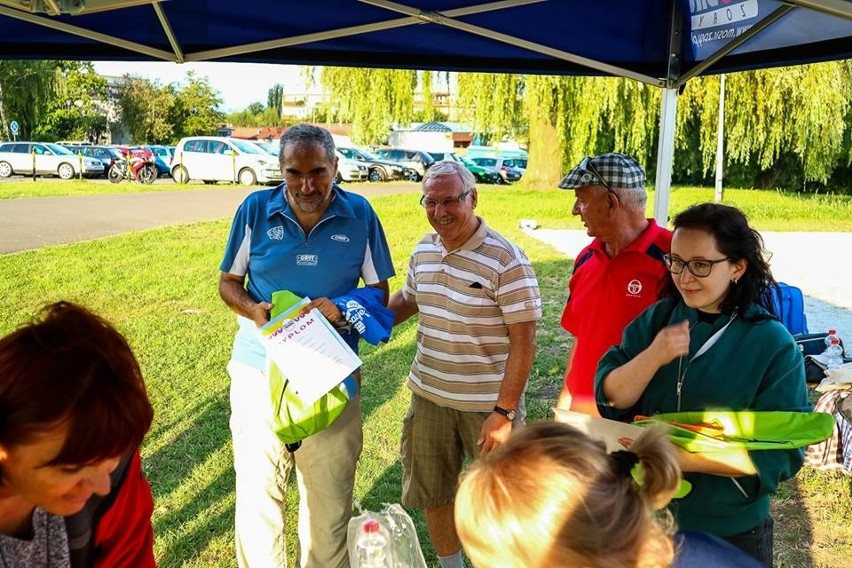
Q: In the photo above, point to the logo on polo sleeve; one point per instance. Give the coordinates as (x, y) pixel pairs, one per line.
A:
(276, 233)
(307, 259)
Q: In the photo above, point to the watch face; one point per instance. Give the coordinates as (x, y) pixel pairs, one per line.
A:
(510, 415)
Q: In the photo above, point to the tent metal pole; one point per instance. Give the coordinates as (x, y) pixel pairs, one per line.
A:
(720, 144)
(665, 156)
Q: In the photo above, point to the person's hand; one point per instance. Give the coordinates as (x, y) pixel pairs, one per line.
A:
(671, 342)
(328, 309)
(260, 313)
(495, 431)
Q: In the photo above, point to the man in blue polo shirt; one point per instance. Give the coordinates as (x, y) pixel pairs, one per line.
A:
(312, 238)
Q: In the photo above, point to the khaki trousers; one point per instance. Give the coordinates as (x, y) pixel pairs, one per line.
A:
(325, 471)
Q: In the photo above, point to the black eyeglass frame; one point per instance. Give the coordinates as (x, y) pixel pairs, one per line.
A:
(446, 202)
(688, 264)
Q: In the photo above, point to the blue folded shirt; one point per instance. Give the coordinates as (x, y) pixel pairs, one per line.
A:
(364, 310)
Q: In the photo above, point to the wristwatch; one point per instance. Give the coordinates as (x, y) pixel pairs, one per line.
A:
(509, 414)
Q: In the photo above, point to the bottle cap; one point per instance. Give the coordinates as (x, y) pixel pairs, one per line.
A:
(832, 332)
(835, 341)
(371, 526)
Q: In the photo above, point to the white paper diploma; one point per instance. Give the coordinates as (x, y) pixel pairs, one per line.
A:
(608, 431)
(308, 351)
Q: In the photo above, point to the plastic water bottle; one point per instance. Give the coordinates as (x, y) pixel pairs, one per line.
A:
(832, 334)
(372, 545)
(833, 354)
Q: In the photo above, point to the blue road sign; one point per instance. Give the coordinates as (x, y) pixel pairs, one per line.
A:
(13, 126)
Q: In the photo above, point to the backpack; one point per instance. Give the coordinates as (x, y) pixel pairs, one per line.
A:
(293, 420)
(790, 308)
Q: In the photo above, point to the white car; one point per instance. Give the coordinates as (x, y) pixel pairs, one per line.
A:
(350, 170)
(49, 159)
(219, 158)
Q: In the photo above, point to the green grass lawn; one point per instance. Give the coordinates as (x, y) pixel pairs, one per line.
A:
(159, 287)
(21, 188)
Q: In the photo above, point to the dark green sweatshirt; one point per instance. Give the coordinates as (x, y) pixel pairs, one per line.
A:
(754, 365)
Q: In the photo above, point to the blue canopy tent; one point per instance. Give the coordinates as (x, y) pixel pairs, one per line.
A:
(659, 42)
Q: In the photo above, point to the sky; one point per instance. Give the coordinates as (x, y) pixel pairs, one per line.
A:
(239, 84)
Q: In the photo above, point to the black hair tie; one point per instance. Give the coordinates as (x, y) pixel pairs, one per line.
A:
(624, 461)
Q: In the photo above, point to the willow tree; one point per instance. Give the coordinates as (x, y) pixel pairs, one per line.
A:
(26, 88)
(371, 99)
(802, 111)
(493, 104)
(565, 118)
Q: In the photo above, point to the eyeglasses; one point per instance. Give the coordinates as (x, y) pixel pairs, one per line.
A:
(699, 268)
(431, 204)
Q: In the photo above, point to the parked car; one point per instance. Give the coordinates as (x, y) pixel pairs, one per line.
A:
(378, 169)
(482, 175)
(105, 154)
(519, 163)
(50, 159)
(415, 160)
(350, 170)
(508, 173)
(162, 159)
(219, 158)
(271, 148)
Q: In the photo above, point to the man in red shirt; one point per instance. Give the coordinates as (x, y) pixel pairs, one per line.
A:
(615, 277)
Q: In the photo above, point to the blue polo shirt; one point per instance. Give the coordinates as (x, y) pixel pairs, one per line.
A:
(269, 247)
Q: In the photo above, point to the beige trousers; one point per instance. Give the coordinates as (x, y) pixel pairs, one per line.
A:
(325, 471)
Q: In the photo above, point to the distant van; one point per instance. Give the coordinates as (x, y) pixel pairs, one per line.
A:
(218, 158)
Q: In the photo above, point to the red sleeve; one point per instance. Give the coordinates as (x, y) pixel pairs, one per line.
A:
(124, 536)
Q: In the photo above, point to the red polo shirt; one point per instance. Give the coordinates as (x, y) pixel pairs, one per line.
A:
(605, 294)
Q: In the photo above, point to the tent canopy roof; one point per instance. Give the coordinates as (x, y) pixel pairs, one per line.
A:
(662, 42)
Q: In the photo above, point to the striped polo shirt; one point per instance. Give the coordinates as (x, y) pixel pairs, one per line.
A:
(467, 298)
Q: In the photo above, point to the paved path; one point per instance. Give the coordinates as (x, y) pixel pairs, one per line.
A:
(27, 224)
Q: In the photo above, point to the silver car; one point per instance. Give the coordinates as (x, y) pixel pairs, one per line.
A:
(18, 158)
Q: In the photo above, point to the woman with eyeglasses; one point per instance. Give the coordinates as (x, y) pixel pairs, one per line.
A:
(714, 344)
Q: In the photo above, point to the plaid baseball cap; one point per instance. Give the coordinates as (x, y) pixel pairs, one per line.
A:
(610, 170)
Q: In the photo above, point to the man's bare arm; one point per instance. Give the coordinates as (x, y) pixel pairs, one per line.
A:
(233, 293)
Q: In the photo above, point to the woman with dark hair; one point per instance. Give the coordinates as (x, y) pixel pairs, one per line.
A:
(713, 345)
(73, 410)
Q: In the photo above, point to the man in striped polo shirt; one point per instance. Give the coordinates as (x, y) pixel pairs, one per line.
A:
(478, 300)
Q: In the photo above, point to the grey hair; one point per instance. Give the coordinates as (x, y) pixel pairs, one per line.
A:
(308, 134)
(448, 168)
(634, 198)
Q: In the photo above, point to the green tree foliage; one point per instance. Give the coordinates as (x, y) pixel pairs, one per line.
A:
(252, 116)
(493, 104)
(428, 112)
(77, 110)
(796, 117)
(567, 117)
(195, 111)
(147, 110)
(26, 88)
(275, 98)
(371, 99)
(788, 127)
